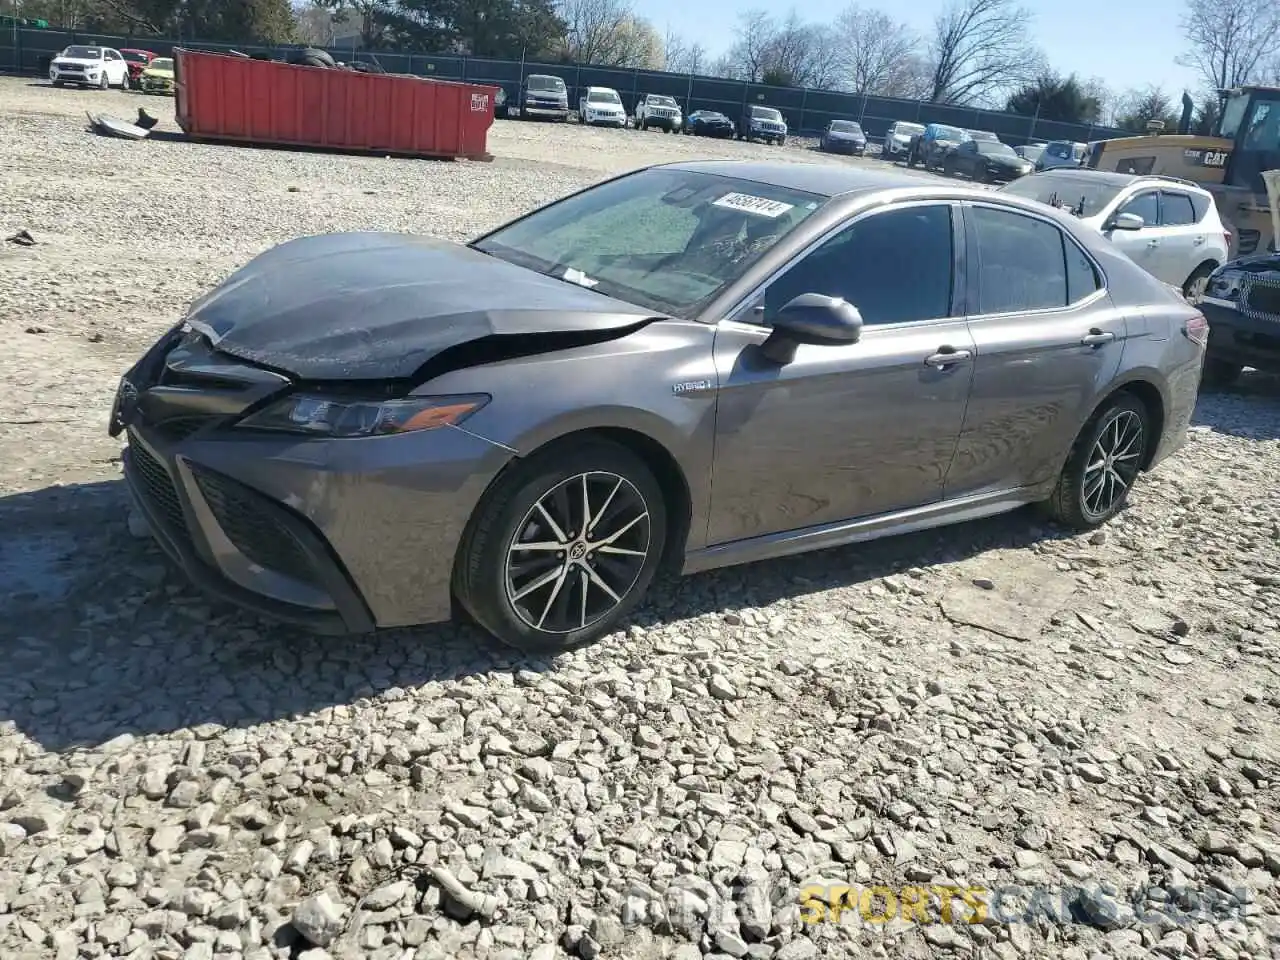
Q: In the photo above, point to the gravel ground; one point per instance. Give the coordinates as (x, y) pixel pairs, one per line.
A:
(1075, 725)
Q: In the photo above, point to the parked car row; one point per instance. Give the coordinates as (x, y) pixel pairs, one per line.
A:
(544, 96)
(106, 67)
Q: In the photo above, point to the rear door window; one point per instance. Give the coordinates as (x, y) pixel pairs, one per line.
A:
(1021, 262)
(1176, 210)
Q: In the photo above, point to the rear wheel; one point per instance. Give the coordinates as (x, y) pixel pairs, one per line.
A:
(1219, 373)
(563, 547)
(1195, 285)
(1103, 464)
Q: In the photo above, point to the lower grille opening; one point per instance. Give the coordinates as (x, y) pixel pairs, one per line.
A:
(157, 486)
(254, 525)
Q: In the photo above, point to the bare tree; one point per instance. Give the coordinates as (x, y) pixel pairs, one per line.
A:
(788, 53)
(1230, 40)
(826, 59)
(681, 56)
(877, 50)
(605, 32)
(748, 58)
(979, 48)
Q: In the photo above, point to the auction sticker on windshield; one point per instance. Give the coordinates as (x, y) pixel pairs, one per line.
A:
(760, 206)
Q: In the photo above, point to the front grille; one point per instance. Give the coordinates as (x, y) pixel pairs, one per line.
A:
(157, 486)
(1261, 299)
(252, 523)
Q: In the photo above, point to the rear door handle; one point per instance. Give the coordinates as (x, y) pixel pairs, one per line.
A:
(1095, 337)
(1197, 241)
(946, 356)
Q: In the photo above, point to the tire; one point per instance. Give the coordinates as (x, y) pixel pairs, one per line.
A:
(508, 513)
(781, 141)
(1110, 430)
(311, 57)
(1195, 284)
(104, 83)
(59, 83)
(1218, 374)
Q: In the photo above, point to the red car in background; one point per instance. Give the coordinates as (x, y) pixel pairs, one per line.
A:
(138, 61)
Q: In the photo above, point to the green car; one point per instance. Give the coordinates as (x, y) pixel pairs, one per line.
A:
(158, 77)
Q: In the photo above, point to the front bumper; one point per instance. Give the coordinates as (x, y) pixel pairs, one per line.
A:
(604, 120)
(1237, 338)
(67, 76)
(851, 147)
(337, 536)
(156, 85)
(541, 110)
(712, 130)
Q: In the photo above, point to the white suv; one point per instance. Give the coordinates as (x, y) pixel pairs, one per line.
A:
(100, 67)
(602, 105)
(1169, 227)
(897, 139)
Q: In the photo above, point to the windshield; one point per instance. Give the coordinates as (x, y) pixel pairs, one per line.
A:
(553, 84)
(950, 133)
(993, 148)
(658, 100)
(766, 113)
(603, 96)
(83, 53)
(981, 135)
(669, 240)
(1232, 114)
(845, 126)
(1067, 189)
(161, 63)
(907, 129)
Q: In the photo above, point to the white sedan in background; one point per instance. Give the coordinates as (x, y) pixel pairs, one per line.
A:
(100, 67)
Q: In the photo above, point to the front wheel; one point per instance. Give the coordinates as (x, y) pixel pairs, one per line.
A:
(104, 83)
(1103, 465)
(563, 547)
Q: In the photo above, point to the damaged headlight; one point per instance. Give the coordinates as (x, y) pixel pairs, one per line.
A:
(321, 416)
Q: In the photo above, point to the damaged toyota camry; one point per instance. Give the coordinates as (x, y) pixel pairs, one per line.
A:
(681, 368)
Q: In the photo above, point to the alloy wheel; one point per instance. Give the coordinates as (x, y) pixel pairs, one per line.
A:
(1113, 463)
(578, 552)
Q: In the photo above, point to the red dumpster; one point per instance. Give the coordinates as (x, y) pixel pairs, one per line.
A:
(222, 97)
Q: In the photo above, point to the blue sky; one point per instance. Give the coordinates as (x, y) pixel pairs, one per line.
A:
(1128, 43)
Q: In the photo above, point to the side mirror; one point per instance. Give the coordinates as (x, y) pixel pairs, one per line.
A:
(1126, 221)
(812, 318)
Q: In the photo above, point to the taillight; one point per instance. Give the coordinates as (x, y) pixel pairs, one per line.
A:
(1197, 330)
(1226, 237)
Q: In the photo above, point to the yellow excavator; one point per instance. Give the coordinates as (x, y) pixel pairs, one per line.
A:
(1229, 164)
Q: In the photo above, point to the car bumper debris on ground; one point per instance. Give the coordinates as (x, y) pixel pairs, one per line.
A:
(995, 740)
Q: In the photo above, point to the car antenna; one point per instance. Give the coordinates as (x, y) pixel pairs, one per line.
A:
(1080, 207)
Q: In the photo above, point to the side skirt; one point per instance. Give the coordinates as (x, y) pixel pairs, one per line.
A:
(791, 542)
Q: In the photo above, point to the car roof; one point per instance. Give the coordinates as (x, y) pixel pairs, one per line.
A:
(1119, 179)
(827, 179)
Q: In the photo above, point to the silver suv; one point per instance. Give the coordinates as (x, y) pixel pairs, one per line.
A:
(1169, 227)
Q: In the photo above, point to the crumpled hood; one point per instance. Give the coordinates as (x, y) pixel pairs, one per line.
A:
(371, 306)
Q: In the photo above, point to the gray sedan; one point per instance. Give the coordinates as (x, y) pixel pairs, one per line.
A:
(684, 367)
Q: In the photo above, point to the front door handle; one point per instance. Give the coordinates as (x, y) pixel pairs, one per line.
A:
(1153, 243)
(946, 356)
(1096, 337)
